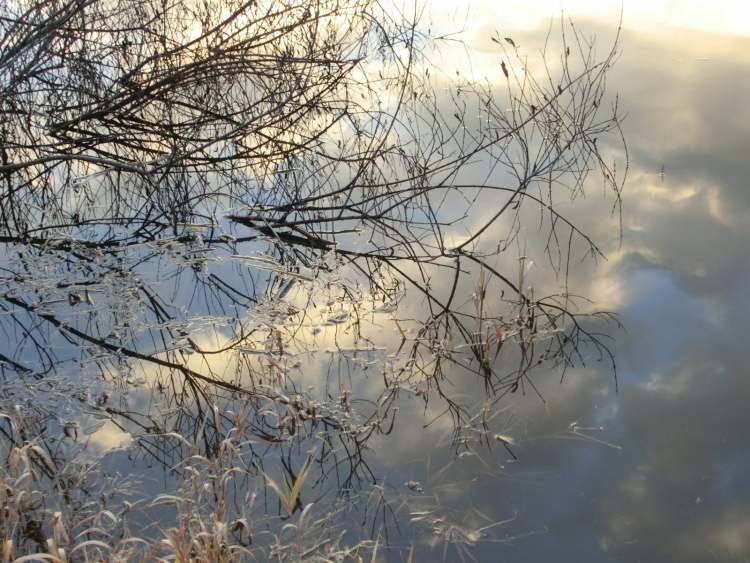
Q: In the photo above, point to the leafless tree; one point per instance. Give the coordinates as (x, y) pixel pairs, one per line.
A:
(177, 169)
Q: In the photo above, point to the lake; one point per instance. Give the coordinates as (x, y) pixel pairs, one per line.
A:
(471, 316)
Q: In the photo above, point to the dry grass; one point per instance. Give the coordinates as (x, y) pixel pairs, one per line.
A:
(60, 512)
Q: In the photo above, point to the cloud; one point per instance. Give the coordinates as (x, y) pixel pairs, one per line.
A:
(676, 491)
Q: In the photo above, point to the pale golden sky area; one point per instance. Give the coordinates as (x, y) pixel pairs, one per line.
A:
(722, 16)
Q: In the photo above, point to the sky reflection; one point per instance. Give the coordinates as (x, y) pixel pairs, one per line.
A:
(659, 471)
(656, 468)
(672, 481)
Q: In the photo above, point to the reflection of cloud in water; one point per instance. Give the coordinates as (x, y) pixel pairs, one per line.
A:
(656, 472)
(109, 437)
(602, 476)
(675, 491)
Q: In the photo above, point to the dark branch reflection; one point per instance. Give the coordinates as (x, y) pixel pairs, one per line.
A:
(228, 236)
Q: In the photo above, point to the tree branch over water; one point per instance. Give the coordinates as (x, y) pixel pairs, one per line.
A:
(184, 183)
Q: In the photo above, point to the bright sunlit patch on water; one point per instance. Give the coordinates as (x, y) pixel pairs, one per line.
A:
(721, 16)
(109, 437)
(470, 21)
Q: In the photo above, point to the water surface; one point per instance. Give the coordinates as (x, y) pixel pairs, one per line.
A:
(642, 461)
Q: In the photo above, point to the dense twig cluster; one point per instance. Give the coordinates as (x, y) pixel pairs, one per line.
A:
(191, 192)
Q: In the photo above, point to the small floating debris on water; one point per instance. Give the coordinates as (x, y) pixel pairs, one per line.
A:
(284, 289)
(415, 486)
(505, 439)
(388, 307)
(355, 350)
(270, 264)
(71, 428)
(338, 318)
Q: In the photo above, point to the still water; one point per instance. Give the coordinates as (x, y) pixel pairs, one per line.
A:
(662, 474)
(645, 462)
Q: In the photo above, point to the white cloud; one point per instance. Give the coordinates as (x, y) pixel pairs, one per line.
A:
(721, 16)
